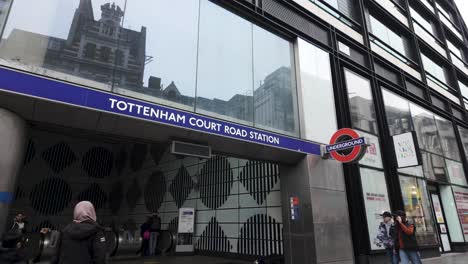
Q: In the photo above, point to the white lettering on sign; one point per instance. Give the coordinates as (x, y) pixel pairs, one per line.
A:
(194, 122)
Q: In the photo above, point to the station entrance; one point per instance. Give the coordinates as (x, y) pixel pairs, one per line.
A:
(236, 201)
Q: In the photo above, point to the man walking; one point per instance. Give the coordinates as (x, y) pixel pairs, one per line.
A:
(405, 240)
(386, 236)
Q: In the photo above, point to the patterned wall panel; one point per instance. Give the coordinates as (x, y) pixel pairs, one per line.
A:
(237, 201)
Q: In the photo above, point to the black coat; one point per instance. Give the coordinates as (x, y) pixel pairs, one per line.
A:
(83, 243)
(11, 256)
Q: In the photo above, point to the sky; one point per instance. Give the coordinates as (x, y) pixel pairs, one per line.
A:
(463, 7)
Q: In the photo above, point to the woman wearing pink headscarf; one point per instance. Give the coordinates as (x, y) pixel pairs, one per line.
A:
(83, 240)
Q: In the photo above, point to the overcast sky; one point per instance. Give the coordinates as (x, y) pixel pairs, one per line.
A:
(463, 7)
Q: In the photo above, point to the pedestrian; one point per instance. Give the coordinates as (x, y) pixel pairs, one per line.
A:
(11, 249)
(405, 241)
(19, 224)
(83, 240)
(155, 232)
(386, 236)
(145, 233)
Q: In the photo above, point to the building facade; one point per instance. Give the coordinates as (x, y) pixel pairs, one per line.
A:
(93, 92)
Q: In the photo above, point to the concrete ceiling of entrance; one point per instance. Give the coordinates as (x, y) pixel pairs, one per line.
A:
(48, 113)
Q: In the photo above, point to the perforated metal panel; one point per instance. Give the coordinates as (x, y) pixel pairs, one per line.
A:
(299, 22)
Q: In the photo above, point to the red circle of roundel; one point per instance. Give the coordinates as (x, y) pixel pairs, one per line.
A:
(354, 153)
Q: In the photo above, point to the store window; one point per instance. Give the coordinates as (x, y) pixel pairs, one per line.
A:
(418, 209)
(461, 200)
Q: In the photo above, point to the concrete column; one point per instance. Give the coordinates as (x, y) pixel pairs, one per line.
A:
(322, 232)
(13, 133)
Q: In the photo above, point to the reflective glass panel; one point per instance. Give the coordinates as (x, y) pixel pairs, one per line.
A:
(225, 70)
(434, 166)
(4, 8)
(463, 89)
(451, 216)
(433, 68)
(361, 103)
(418, 209)
(316, 90)
(274, 86)
(456, 172)
(387, 36)
(426, 129)
(398, 113)
(422, 21)
(448, 139)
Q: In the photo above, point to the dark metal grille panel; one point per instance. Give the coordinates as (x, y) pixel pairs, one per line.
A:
(213, 238)
(216, 181)
(261, 235)
(259, 178)
(295, 20)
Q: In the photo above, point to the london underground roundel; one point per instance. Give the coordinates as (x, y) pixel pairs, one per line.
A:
(347, 146)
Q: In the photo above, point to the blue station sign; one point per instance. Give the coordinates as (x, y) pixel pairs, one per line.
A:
(71, 94)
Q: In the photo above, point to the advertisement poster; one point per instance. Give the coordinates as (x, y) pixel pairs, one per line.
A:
(376, 201)
(405, 150)
(373, 156)
(186, 220)
(461, 199)
(437, 209)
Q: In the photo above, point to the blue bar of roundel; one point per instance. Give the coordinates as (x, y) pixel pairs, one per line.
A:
(80, 96)
(6, 197)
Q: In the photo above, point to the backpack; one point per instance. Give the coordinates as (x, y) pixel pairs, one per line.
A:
(146, 235)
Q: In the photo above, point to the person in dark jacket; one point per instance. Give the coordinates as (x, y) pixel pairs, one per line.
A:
(83, 240)
(405, 240)
(386, 237)
(19, 224)
(10, 252)
(145, 233)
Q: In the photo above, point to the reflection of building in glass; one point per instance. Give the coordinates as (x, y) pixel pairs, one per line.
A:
(99, 50)
(4, 8)
(363, 114)
(273, 104)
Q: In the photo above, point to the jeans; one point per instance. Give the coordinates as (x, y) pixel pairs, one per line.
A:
(153, 242)
(409, 256)
(393, 257)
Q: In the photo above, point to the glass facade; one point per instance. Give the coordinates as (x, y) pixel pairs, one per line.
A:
(375, 193)
(441, 163)
(245, 74)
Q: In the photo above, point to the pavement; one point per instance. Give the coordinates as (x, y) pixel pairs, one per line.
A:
(178, 260)
(455, 258)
